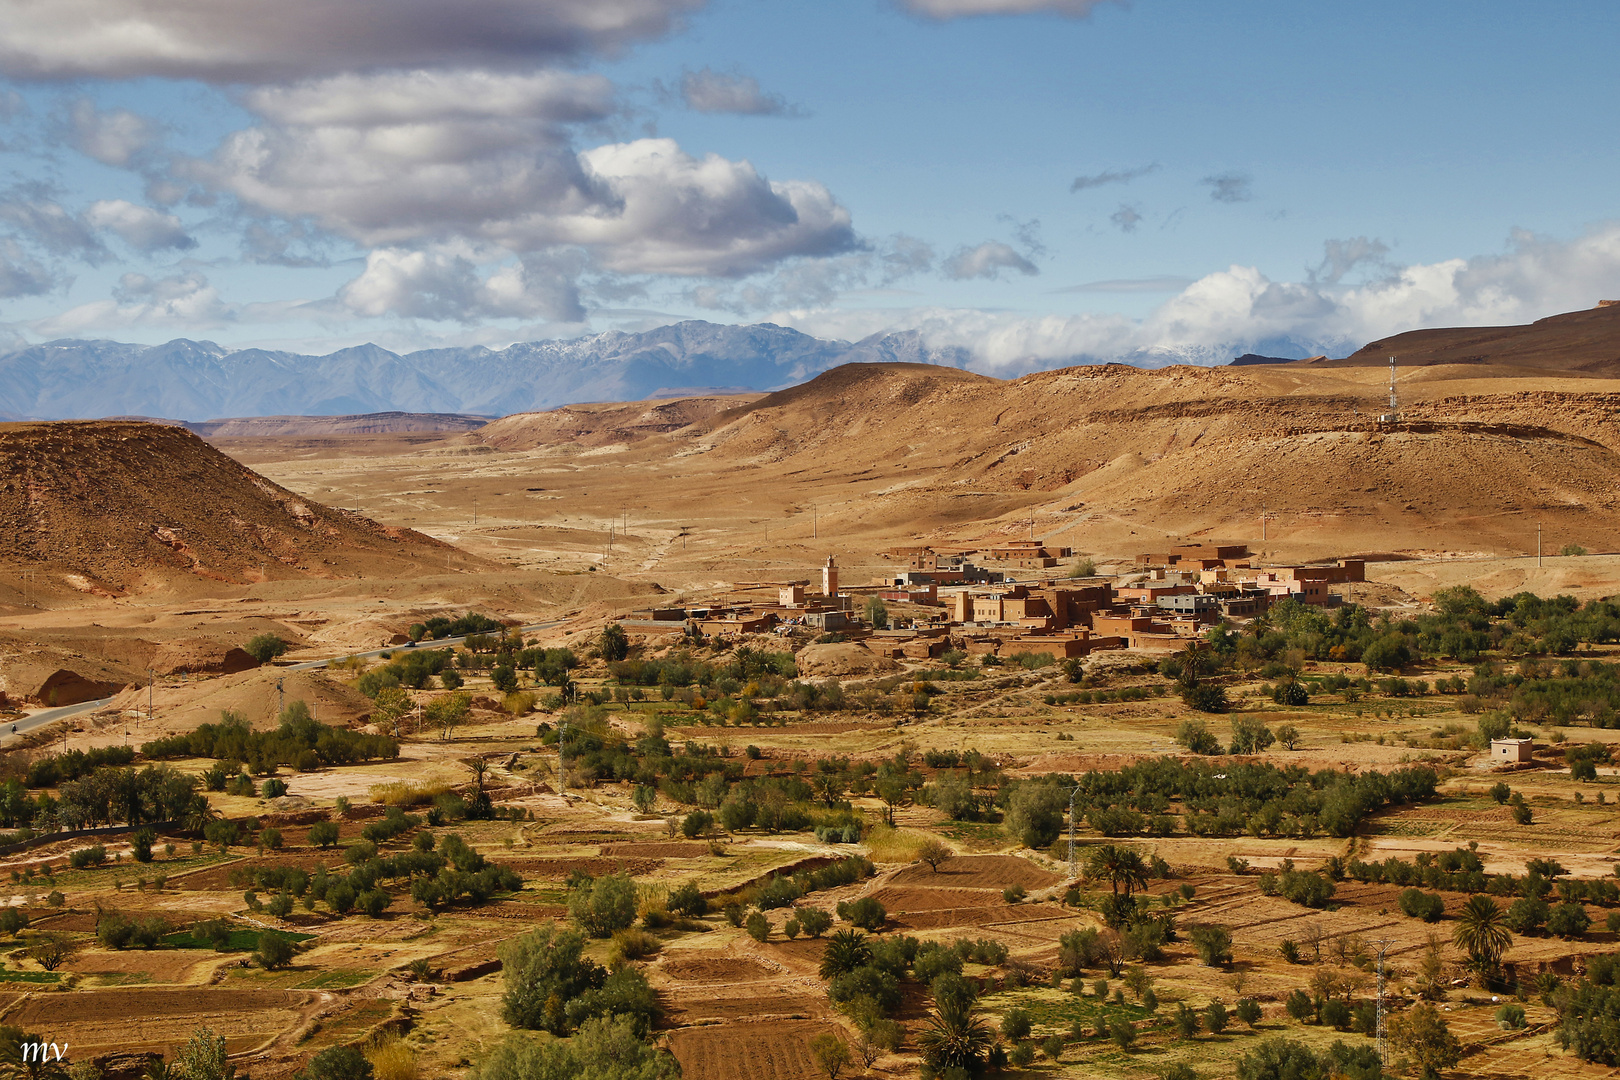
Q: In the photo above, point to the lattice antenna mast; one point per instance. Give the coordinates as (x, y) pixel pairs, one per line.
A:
(1394, 407)
(1381, 1033)
(1072, 871)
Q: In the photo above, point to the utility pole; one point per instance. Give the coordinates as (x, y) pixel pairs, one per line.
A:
(1538, 543)
(1072, 871)
(149, 675)
(815, 523)
(1380, 1031)
(281, 699)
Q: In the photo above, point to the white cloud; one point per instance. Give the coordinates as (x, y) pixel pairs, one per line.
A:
(234, 41)
(113, 137)
(1233, 311)
(417, 160)
(442, 285)
(957, 9)
(45, 224)
(710, 91)
(184, 301)
(412, 98)
(141, 227)
(986, 261)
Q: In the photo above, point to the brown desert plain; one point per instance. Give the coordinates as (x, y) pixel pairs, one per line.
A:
(780, 867)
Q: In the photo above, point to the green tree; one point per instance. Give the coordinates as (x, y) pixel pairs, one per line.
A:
(877, 613)
(203, 1057)
(1250, 734)
(1281, 1059)
(323, 834)
(615, 643)
(274, 951)
(1036, 812)
(337, 1063)
(265, 647)
(1196, 736)
(604, 905)
(845, 951)
(1422, 1033)
(831, 1054)
(605, 1048)
(1482, 933)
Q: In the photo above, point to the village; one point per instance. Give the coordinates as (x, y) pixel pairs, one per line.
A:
(1009, 602)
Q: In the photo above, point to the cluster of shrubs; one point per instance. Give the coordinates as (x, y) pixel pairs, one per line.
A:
(442, 626)
(53, 769)
(782, 890)
(1087, 697)
(1258, 798)
(1304, 887)
(299, 741)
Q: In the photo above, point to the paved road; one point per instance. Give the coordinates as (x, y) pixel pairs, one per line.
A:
(440, 643)
(16, 730)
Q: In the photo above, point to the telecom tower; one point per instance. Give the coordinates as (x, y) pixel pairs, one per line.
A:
(1381, 1033)
(1394, 414)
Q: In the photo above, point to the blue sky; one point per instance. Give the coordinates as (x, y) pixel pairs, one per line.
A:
(1033, 180)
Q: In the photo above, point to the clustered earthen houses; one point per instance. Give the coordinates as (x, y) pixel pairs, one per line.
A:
(1183, 592)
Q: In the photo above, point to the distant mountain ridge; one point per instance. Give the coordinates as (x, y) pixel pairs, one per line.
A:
(199, 380)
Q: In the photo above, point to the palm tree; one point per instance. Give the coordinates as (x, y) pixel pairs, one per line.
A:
(846, 950)
(955, 1037)
(1482, 932)
(1119, 865)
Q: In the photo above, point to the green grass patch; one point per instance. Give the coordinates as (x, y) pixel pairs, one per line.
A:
(29, 976)
(336, 980)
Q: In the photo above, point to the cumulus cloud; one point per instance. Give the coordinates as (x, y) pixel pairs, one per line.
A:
(113, 137)
(431, 158)
(141, 227)
(45, 224)
(710, 91)
(442, 285)
(1230, 187)
(986, 261)
(184, 300)
(231, 41)
(957, 9)
(1239, 309)
(1111, 176)
(21, 274)
(1126, 218)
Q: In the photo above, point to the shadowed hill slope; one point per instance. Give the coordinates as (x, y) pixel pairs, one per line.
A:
(1577, 342)
(126, 505)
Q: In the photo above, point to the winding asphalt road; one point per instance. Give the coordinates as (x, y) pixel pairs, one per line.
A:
(16, 730)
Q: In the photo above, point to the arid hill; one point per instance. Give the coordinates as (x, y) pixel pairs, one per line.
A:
(383, 423)
(115, 506)
(602, 424)
(1576, 342)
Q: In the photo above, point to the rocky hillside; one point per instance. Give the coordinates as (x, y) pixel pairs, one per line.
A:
(111, 506)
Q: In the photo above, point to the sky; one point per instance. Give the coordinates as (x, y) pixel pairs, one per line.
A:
(1034, 181)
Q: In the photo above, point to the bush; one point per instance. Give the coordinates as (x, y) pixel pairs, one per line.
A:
(1248, 1010)
(1335, 1014)
(814, 921)
(634, 944)
(265, 647)
(142, 842)
(687, 900)
(1015, 1025)
(1213, 944)
(274, 951)
(1568, 920)
(866, 913)
(1299, 1005)
(1418, 904)
(1510, 1017)
(757, 925)
(602, 906)
(95, 855)
(270, 839)
(374, 902)
(323, 834)
(1215, 1017)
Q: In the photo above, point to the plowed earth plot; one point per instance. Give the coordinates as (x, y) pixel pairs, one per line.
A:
(775, 1051)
